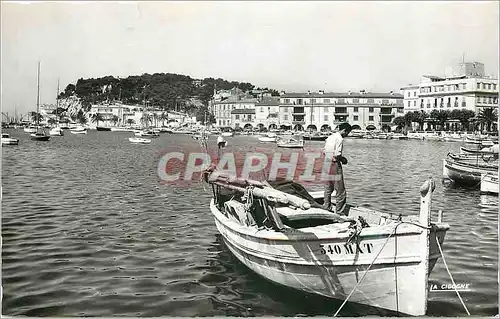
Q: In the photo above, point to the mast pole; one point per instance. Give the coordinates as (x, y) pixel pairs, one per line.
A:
(38, 96)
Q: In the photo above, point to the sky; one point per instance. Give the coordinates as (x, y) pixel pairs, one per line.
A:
(295, 46)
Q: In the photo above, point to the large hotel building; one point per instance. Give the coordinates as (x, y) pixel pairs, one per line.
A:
(464, 86)
(311, 111)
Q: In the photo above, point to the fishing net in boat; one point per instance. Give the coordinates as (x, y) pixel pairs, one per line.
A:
(296, 189)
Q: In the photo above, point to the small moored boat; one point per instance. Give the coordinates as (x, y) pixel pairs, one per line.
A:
(489, 183)
(7, 140)
(56, 131)
(78, 130)
(467, 170)
(139, 140)
(268, 137)
(291, 142)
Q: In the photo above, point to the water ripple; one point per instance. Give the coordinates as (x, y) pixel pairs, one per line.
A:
(88, 230)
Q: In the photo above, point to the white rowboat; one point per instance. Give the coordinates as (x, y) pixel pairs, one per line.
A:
(286, 237)
(139, 140)
(489, 183)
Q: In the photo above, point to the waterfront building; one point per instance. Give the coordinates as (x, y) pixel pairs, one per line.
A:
(324, 111)
(267, 113)
(222, 109)
(463, 87)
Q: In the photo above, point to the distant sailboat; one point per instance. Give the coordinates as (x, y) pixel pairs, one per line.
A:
(39, 135)
(57, 131)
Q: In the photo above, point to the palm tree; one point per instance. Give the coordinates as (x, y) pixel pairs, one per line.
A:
(163, 117)
(115, 119)
(96, 117)
(145, 119)
(36, 117)
(130, 122)
(487, 117)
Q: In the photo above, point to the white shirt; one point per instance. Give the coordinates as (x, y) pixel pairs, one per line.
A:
(334, 145)
(220, 139)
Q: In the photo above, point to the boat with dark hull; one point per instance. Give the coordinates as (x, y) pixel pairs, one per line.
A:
(103, 128)
(467, 171)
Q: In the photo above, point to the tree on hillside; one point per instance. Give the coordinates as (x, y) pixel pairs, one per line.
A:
(202, 114)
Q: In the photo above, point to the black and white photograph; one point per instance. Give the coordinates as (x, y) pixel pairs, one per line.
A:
(249, 158)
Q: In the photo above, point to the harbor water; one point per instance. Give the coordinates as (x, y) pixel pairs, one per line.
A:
(88, 229)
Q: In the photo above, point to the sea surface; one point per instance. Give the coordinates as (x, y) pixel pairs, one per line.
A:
(89, 229)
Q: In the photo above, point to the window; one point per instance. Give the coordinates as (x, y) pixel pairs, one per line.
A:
(326, 118)
(463, 103)
(370, 118)
(285, 117)
(286, 109)
(249, 117)
(409, 94)
(325, 109)
(478, 85)
(341, 101)
(355, 109)
(370, 109)
(355, 100)
(287, 101)
(313, 101)
(409, 104)
(237, 116)
(326, 100)
(370, 100)
(494, 87)
(261, 109)
(414, 93)
(414, 103)
(464, 86)
(299, 101)
(355, 117)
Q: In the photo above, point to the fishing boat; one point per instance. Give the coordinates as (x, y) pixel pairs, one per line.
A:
(268, 138)
(78, 130)
(291, 142)
(280, 231)
(316, 136)
(227, 134)
(56, 131)
(489, 183)
(7, 140)
(139, 140)
(40, 134)
(467, 170)
(30, 129)
(146, 133)
(121, 129)
(492, 150)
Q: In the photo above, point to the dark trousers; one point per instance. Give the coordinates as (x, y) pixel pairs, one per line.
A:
(338, 185)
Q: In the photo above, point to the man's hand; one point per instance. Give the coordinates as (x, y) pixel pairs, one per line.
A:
(342, 159)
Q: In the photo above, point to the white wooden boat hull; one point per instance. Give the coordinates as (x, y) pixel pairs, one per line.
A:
(489, 183)
(398, 280)
(121, 129)
(138, 140)
(30, 130)
(79, 132)
(290, 145)
(10, 141)
(227, 134)
(56, 132)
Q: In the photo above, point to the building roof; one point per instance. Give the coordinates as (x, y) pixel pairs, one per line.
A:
(243, 111)
(269, 101)
(342, 95)
(234, 99)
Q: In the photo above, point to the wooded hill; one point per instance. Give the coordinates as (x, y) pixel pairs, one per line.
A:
(159, 90)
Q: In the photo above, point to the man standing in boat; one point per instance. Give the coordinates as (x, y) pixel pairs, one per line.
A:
(334, 156)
